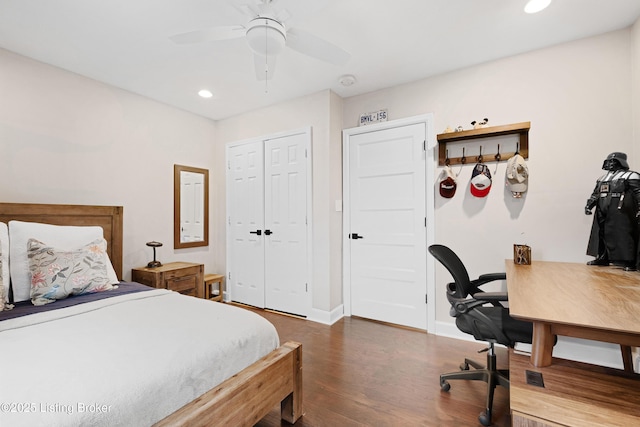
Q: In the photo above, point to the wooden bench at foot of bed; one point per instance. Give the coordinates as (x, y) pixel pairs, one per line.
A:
(248, 396)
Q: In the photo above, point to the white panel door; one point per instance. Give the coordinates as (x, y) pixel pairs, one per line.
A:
(286, 223)
(245, 211)
(387, 220)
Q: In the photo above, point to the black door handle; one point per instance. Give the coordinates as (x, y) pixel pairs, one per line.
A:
(356, 236)
(268, 232)
(258, 232)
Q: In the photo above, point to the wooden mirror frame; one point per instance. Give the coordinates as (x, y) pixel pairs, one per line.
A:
(177, 243)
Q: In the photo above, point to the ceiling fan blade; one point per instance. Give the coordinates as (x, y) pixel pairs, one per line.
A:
(316, 47)
(226, 32)
(265, 66)
(247, 8)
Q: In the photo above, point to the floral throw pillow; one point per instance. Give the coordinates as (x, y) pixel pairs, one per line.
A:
(3, 304)
(56, 274)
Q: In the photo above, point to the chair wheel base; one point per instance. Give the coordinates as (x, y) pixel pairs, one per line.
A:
(464, 366)
(485, 418)
(445, 386)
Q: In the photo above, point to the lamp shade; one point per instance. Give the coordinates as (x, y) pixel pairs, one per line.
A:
(266, 36)
(535, 6)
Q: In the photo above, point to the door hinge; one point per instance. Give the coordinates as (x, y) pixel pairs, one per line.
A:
(426, 299)
(229, 276)
(306, 287)
(425, 221)
(229, 164)
(305, 153)
(229, 220)
(424, 145)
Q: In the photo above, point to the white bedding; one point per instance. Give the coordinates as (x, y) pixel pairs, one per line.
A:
(130, 360)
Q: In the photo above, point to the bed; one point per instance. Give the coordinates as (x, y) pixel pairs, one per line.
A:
(141, 356)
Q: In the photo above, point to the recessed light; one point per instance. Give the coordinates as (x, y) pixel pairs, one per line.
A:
(535, 6)
(205, 93)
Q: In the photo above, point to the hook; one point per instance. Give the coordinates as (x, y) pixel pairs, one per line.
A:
(463, 159)
(446, 160)
(498, 156)
(518, 148)
(480, 156)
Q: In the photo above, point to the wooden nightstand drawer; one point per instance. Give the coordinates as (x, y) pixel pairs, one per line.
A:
(182, 272)
(184, 284)
(183, 277)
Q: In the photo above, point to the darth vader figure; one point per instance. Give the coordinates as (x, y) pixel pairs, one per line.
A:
(615, 230)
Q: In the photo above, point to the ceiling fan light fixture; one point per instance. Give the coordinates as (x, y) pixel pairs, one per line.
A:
(266, 36)
(535, 6)
(205, 93)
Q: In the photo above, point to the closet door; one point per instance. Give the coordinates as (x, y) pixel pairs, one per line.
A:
(286, 223)
(268, 190)
(245, 219)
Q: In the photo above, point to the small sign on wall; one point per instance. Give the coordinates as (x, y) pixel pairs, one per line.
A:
(375, 117)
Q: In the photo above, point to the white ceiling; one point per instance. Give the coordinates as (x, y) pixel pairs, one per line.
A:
(125, 43)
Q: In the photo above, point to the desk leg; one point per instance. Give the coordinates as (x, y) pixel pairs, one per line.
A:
(542, 344)
(627, 358)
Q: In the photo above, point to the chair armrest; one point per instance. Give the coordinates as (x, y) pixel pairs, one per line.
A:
(490, 277)
(484, 279)
(490, 296)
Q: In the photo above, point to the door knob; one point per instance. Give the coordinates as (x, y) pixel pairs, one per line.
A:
(268, 232)
(258, 232)
(356, 236)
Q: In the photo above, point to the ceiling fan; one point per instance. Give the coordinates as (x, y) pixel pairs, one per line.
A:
(267, 34)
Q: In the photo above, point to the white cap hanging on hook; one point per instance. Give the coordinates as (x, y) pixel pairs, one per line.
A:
(517, 175)
(448, 183)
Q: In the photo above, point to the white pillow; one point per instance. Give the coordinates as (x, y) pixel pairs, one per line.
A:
(64, 237)
(4, 259)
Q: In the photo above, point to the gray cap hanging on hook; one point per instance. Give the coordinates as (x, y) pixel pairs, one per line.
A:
(517, 175)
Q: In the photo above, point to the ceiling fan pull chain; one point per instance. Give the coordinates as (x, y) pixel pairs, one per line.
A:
(266, 59)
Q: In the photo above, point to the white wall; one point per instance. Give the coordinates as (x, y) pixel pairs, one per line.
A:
(634, 157)
(576, 96)
(313, 110)
(57, 129)
(68, 139)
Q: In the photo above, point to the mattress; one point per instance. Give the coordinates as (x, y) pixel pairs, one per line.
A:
(131, 359)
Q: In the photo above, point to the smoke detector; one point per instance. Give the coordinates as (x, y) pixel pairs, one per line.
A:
(347, 80)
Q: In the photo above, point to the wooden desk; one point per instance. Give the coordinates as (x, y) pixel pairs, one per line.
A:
(577, 300)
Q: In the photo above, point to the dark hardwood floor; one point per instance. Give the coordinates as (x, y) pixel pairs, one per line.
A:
(363, 373)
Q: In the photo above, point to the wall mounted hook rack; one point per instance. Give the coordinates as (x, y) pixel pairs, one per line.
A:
(522, 146)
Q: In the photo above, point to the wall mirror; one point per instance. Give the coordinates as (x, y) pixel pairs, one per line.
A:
(190, 207)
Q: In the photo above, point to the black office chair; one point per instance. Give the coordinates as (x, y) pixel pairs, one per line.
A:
(482, 315)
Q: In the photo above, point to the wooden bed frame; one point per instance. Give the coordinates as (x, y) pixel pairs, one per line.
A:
(243, 399)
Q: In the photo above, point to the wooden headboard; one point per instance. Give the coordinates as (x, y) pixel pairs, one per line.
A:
(107, 217)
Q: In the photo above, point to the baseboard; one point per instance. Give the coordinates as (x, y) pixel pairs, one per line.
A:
(326, 317)
(450, 330)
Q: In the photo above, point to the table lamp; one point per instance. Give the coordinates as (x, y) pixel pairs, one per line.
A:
(154, 263)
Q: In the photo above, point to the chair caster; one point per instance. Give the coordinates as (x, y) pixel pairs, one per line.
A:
(485, 418)
(464, 366)
(445, 386)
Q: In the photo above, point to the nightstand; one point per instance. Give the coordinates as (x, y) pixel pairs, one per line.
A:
(209, 281)
(183, 277)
